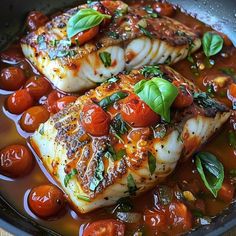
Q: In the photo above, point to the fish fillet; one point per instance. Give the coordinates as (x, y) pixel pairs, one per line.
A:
(63, 145)
(73, 68)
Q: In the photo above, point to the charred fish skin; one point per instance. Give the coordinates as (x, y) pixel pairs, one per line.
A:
(100, 179)
(132, 39)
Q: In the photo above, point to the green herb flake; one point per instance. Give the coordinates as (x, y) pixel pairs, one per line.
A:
(113, 35)
(41, 130)
(69, 176)
(105, 58)
(124, 204)
(211, 171)
(120, 154)
(41, 42)
(98, 176)
(83, 198)
(151, 163)
(132, 188)
(210, 90)
(151, 12)
(232, 139)
(145, 31)
(151, 71)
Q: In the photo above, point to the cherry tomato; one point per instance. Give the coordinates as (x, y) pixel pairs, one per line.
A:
(62, 102)
(226, 193)
(46, 200)
(36, 19)
(37, 86)
(95, 120)
(112, 6)
(137, 113)
(184, 98)
(105, 228)
(12, 78)
(232, 91)
(33, 117)
(164, 8)
(15, 161)
(52, 101)
(85, 36)
(12, 54)
(19, 101)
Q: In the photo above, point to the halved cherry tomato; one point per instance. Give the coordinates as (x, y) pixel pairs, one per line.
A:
(226, 193)
(95, 120)
(33, 117)
(46, 200)
(85, 36)
(36, 19)
(137, 113)
(15, 161)
(184, 98)
(164, 8)
(232, 91)
(62, 102)
(105, 228)
(19, 101)
(53, 97)
(12, 78)
(37, 86)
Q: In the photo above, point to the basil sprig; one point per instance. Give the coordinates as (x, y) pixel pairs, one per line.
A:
(132, 188)
(69, 176)
(212, 43)
(158, 94)
(98, 176)
(211, 171)
(83, 20)
(105, 58)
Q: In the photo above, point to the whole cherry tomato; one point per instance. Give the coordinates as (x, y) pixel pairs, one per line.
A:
(95, 120)
(37, 86)
(36, 19)
(15, 161)
(12, 78)
(12, 54)
(108, 227)
(53, 97)
(19, 101)
(33, 117)
(46, 200)
(62, 102)
(164, 8)
(137, 113)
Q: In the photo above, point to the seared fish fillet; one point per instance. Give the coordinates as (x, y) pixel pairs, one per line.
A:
(65, 148)
(132, 39)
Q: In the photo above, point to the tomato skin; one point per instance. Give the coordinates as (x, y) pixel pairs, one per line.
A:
(62, 102)
(37, 86)
(95, 120)
(53, 97)
(16, 161)
(137, 113)
(83, 37)
(12, 78)
(33, 117)
(12, 54)
(19, 101)
(164, 8)
(36, 19)
(232, 91)
(46, 200)
(108, 227)
(226, 193)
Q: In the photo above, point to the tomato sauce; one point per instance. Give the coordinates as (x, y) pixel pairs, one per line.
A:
(185, 176)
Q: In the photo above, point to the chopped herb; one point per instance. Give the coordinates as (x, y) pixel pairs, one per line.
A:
(132, 188)
(41, 130)
(119, 125)
(113, 35)
(210, 90)
(197, 213)
(145, 31)
(98, 176)
(120, 154)
(232, 139)
(151, 71)
(151, 12)
(121, 12)
(151, 163)
(116, 134)
(168, 60)
(230, 72)
(54, 42)
(105, 58)
(69, 176)
(83, 198)
(124, 204)
(110, 153)
(41, 42)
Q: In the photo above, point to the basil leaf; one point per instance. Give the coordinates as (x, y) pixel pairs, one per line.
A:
(151, 163)
(98, 176)
(131, 185)
(83, 198)
(212, 43)
(211, 171)
(158, 94)
(145, 31)
(232, 139)
(107, 101)
(83, 20)
(69, 176)
(110, 153)
(119, 125)
(105, 58)
(151, 71)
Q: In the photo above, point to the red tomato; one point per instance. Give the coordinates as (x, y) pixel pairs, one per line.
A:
(15, 161)
(52, 100)
(37, 86)
(105, 228)
(137, 113)
(12, 54)
(95, 120)
(36, 19)
(184, 98)
(85, 36)
(226, 192)
(12, 78)
(232, 91)
(62, 102)
(46, 200)
(112, 6)
(33, 117)
(164, 8)
(19, 101)
(98, 6)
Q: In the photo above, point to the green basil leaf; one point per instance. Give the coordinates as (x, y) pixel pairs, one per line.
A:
(131, 185)
(211, 171)
(105, 58)
(83, 20)
(151, 163)
(232, 139)
(83, 198)
(98, 176)
(212, 43)
(69, 176)
(151, 71)
(145, 31)
(158, 94)
(119, 125)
